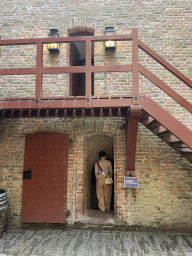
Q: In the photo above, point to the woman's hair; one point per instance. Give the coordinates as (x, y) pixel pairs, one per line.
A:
(102, 154)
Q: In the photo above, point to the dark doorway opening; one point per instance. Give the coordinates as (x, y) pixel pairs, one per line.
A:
(77, 58)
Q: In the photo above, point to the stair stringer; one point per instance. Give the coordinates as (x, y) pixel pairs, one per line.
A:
(166, 127)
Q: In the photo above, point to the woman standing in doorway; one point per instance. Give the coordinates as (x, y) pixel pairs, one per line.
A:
(103, 169)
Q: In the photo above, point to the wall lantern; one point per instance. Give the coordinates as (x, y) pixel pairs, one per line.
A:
(53, 47)
(110, 45)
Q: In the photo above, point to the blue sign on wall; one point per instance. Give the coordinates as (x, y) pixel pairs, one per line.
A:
(131, 182)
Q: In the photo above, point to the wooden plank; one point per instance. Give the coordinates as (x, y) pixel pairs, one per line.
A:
(20, 104)
(59, 70)
(17, 71)
(68, 102)
(82, 69)
(18, 41)
(85, 38)
(111, 103)
(112, 68)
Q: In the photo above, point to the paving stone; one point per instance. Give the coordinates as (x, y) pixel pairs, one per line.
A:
(94, 243)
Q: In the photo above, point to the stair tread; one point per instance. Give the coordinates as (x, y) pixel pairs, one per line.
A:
(154, 124)
(179, 142)
(186, 152)
(166, 132)
(143, 116)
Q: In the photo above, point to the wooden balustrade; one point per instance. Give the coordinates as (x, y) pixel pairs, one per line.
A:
(87, 101)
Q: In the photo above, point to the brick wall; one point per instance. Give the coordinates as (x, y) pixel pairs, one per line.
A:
(163, 198)
(164, 195)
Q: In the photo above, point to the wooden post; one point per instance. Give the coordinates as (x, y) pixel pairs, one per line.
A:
(88, 73)
(131, 139)
(135, 63)
(39, 60)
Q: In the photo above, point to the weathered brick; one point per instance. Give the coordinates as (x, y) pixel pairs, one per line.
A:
(164, 195)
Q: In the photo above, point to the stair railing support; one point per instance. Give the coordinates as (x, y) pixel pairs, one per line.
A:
(131, 138)
(135, 63)
(39, 64)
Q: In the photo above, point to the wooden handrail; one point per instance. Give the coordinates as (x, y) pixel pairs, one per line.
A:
(165, 64)
(65, 39)
(183, 102)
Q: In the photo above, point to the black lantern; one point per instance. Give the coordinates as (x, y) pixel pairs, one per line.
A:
(53, 47)
(110, 45)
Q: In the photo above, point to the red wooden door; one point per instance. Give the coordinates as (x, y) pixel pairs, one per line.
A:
(44, 194)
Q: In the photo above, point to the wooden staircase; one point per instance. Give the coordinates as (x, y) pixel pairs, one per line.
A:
(166, 127)
(142, 109)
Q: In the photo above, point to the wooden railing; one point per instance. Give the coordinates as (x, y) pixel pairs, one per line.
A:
(39, 70)
(89, 101)
(174, 95)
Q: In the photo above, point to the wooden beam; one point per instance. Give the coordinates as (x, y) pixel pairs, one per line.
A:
(17, 71)
(131, 138)
(112, 68)
(62, 70)
(65, 39)
(68, 102)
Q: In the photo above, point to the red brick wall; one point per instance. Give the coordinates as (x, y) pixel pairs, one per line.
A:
(164, 194)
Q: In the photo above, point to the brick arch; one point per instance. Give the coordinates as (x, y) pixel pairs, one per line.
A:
(82, 129)
(84, 126)
(80, 29)
(97, 141)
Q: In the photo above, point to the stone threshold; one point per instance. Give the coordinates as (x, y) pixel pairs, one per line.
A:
(96, 217)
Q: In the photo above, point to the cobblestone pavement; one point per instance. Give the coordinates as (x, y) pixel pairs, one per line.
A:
(93, 243)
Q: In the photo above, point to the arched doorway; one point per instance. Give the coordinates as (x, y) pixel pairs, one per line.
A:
(77, 58)
(93, 144)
